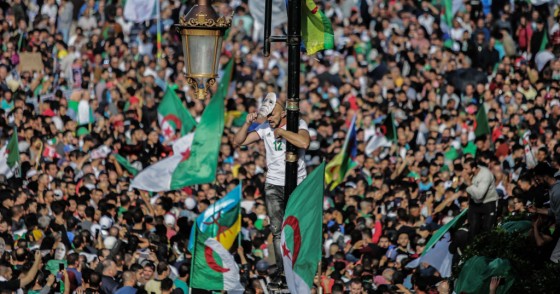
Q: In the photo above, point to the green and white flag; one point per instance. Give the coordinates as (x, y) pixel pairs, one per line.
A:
(9, 157)
(173, 116)
(301, 232)
(448, 10)
(195, 155)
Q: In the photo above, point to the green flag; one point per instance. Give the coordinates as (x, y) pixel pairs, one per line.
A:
(457, 221)
(481, 127)
(9, 157)
(344, 161)
(13, 152)
(199, 165)
(301, 232)
(173, 116)
(126, 164)
(316, 29)
(389, 129)
(544, 41)
(477, 272)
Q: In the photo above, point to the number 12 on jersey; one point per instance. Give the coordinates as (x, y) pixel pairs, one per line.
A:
(278, 145)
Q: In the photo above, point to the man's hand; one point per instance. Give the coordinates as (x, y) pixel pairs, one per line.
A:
(279, 133)
(494, 283)
(251, 117)
(38, 257)
(50, 280)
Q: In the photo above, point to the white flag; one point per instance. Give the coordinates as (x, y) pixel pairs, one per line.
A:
(530, 158)
(378, 140)
(279, 16)
(139, 10)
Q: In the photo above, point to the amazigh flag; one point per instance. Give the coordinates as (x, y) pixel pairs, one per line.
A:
(343, 161)
(214, 232)
(481, 127)
(316, 29)
(196, 160)
(173, 116)
(301, 230)
(221, 217)
(9, 157)
(126, 164)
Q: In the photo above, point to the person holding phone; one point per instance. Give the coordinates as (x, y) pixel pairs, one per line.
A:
(275, 136)
(481, 188)
(6, 281)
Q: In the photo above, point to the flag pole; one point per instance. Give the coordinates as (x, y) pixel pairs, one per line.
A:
(319, 273)
(158, 34)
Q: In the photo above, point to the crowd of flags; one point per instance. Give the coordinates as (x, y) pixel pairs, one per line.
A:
(195, 160)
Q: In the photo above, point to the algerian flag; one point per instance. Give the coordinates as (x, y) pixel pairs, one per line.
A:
(481, 126)
(196, 160)
(448, 10)
(173, 116)
(301, 232)
(378, 140)
(9, 157)
(457, 221)
(215, 230)
(439, 257)
(157, 177)
(126, 164)
(385, 137)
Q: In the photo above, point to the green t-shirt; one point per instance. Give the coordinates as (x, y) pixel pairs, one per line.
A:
(451, 154)
(179, 284)
(470, 149)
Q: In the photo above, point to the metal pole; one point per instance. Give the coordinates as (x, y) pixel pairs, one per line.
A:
(267, 26)
(294, 43)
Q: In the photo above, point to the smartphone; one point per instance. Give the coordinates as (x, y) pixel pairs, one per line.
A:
(60, 267)
(97, 234)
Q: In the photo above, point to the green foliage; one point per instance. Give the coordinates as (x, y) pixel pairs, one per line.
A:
(534, 272)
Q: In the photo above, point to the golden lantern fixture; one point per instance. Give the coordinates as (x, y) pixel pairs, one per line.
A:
(202, 32)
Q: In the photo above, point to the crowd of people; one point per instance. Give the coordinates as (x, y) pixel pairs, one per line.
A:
(68, 215)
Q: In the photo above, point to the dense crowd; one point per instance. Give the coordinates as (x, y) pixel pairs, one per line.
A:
(68, 213)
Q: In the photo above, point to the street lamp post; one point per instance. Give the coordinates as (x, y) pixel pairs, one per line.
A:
(294, 43)
(293, 40)
(202, 32)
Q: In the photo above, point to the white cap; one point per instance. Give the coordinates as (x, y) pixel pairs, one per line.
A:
(150, 72)
(110, 242)
(30, 173)
(105, 222)
(169, 220)
(190, 203)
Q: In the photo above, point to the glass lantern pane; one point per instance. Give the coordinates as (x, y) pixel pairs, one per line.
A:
(201, 51)
(219, 52)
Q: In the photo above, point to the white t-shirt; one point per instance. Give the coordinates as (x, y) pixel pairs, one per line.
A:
(276, 155)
